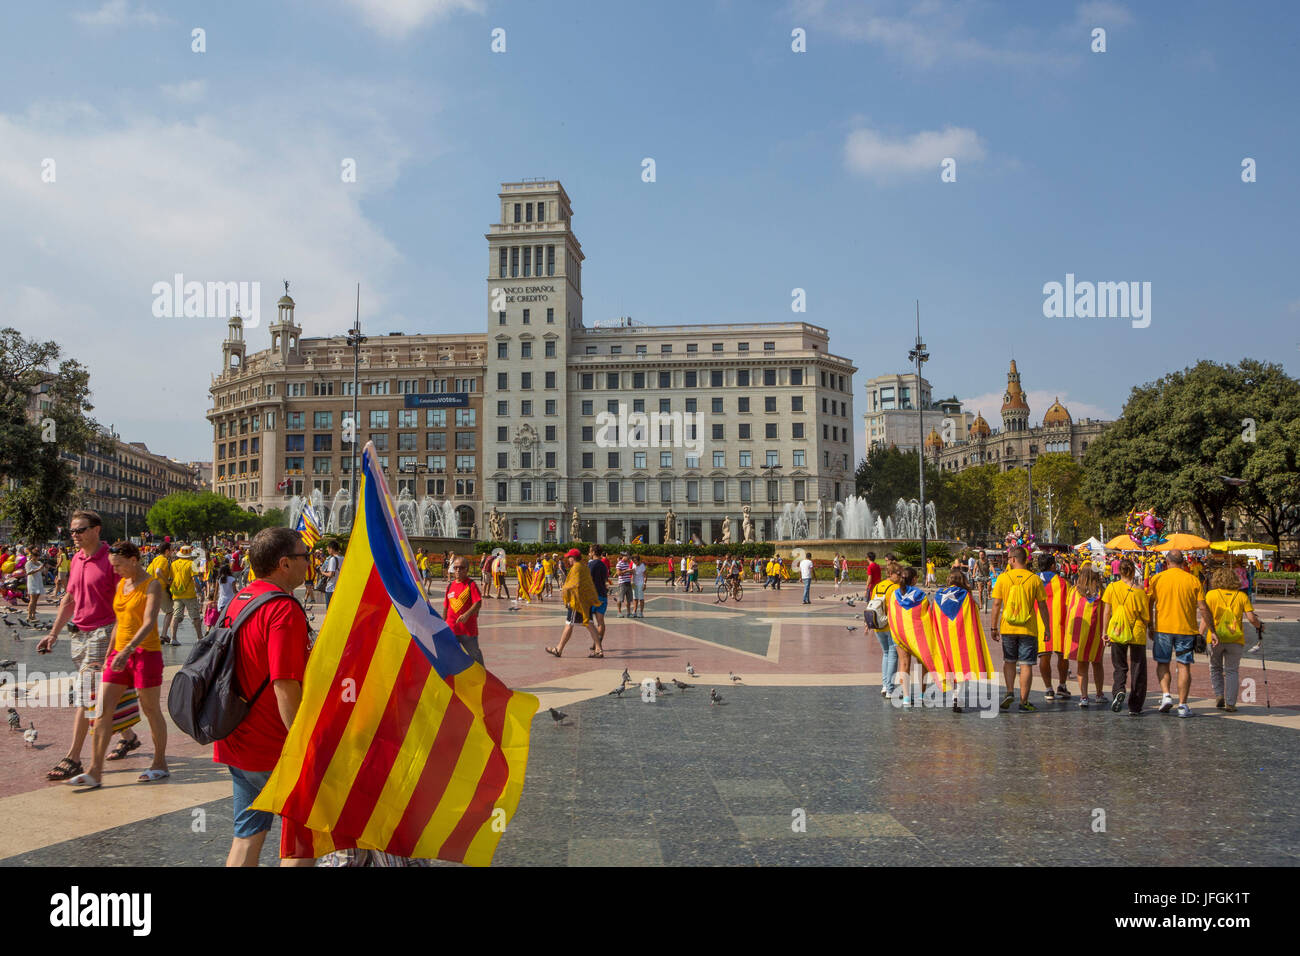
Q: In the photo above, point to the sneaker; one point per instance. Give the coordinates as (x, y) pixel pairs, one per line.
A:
(1135, 713)
(1230, 708)
(1050, 695)
(1100, 699)
(1118, 703)
(1184, 710)
(1166, 704)
(1027, 708)
(1006, 702)
(1083, 701)
(1219, 703)
(907, 702)
(1062, 693)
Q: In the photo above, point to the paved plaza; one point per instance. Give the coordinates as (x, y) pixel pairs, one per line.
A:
(802, 763)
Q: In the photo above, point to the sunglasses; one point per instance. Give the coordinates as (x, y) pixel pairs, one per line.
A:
(82, 530)
(118, 551)
(299, 554)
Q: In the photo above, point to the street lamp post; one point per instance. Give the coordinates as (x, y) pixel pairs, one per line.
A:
(919, 356)
(771, 471)
(126, 521)
(1029, 470)
(355, 339)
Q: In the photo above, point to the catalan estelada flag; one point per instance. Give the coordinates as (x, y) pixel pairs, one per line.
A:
(1083, 640)
(1051, 636)
(957, 619)
(403, 742)
(911, 623)
(309, 526)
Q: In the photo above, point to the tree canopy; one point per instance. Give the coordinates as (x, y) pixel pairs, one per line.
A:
(200, 514)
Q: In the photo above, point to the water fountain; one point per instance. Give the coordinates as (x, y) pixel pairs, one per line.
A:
(849, 525)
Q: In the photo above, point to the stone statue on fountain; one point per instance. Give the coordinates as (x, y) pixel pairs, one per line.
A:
(726, 529)
(747, 525)
(497, 524)
(670, 526)
(575, 526)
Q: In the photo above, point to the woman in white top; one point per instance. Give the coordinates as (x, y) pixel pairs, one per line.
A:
(638, 587)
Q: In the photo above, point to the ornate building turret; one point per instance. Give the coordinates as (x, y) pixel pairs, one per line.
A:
(1015, 410)
(233, 349)
(285, 332)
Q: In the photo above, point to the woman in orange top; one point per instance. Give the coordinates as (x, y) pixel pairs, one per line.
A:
(135, 660)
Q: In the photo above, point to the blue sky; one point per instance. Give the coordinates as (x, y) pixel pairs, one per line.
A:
(775, 170)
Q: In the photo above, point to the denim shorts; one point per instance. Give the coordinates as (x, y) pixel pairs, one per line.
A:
(248, 784)
(1020, 647)
(602, 607)
(1164, 646)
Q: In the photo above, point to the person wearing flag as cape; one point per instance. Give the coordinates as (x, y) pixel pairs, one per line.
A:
(1083, 640)
(957, 618)
(579, 596)
(1051, 627)
(911, 622)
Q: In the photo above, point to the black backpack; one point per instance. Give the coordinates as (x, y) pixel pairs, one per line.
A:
(204, 698)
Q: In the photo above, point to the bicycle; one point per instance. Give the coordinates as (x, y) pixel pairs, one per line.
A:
(731, 587)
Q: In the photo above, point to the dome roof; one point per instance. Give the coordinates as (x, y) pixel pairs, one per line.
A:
(1058, 414)
(1014, 399)
(979, 427)
(285, 300)
(933, 440)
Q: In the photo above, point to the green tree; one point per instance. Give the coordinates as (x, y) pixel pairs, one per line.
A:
(273, 518)
(886, 475)
(1178, 437)
(1271, 495)
(35, 454)
(970, 507)
(189, 515)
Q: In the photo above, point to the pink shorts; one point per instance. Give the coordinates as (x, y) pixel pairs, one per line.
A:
(144, 669)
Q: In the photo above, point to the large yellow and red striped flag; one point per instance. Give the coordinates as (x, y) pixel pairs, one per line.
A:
(1051, 633)
(957, 620)
(403, 742)
(1083, 641)
(911, 623)
(308, 526)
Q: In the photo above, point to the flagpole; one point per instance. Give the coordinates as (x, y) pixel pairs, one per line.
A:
(355, 338)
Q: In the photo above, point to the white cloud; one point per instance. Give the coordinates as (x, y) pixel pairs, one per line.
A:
(872, 153)
(116, 13)
(397, 18)
(1101, 13)
(222, 196)
(990, 405)
(190, 91)
(924, 34)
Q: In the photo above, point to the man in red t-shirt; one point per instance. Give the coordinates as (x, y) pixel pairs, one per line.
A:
(460, 607)
(873, 573)
(271, 654)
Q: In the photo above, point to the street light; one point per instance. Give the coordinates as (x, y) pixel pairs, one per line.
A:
(920, 356)
(355, 339)
(126, 521)
(770, 471)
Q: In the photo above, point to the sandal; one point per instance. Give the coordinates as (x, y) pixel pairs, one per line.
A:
(553, 652)
(85, 780)
(597, 655)
(151, 775)
(123, 748)
(65, 768)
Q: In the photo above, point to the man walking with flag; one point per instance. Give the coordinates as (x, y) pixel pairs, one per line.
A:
(1016, 598)
(270, 661)
(460, 607)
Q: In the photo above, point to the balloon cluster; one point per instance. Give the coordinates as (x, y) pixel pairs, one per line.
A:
(1145, 528)
(1018, 537)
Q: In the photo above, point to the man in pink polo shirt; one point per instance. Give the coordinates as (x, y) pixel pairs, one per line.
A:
(88, 604)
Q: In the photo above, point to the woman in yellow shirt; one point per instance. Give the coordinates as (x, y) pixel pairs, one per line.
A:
(1126, 618)
(135, 660)
(1227, 604)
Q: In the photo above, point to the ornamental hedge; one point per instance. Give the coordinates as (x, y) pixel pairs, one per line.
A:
(757, 549)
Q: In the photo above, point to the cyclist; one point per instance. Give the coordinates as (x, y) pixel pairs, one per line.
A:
(982, 574)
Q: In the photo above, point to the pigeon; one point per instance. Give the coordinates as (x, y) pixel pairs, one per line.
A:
(557, 716)
(851, 603)
(733, 677)
(9, 622)
(617, 691)
(956, 707)
(659, 685)
(15, 722)
(850, 629)
(627, 678)
(681, 686)
(690, 670)
(714, 697)
(7, 663)
(29, 736)
(515, 608)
